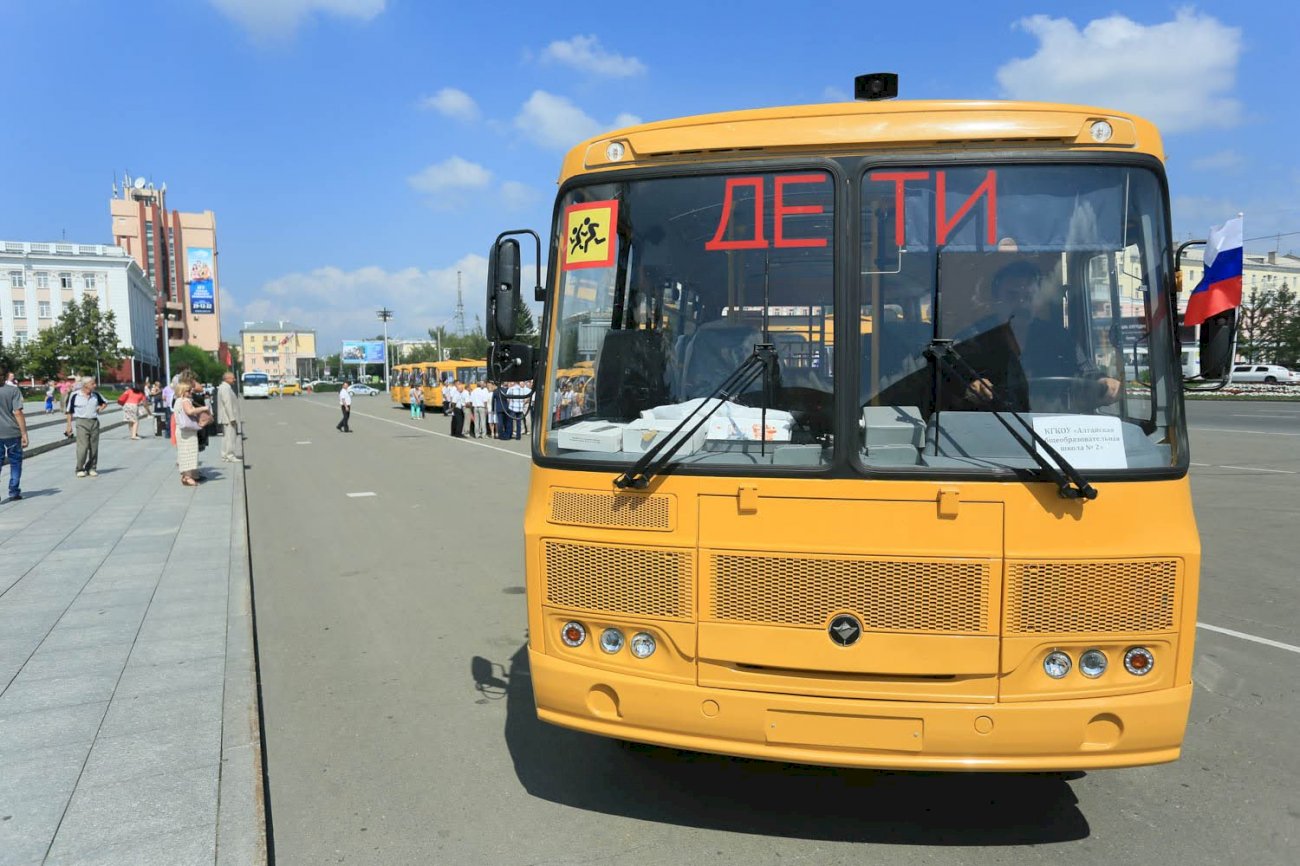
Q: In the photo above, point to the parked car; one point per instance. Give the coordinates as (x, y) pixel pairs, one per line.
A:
(1268, 374)
(364, 389)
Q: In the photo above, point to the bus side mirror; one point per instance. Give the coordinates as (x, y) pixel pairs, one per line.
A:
(502, 289)
(1216, 344)
(510, 362)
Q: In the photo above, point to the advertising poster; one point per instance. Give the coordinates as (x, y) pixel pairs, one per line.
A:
(362, 352)
(203, 300)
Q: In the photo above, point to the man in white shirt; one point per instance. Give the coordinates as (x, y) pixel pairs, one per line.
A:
(448, 391)
(518, 404)
(345, 403)
(85, 406)
(230, 415)
(480, 398)
(459, 398)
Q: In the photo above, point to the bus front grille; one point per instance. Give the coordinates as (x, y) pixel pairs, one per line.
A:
(929, 596)
(619, 510)
(1091, 597)
(619, 579)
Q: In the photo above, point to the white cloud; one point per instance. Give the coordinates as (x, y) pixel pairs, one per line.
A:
(586, 54)
(1179, 74)
(451, 102)
(555, 122)
(279, 18)
(835, 94)
(450, 175)
(1223, 160)
(340, 305)
(517, 196)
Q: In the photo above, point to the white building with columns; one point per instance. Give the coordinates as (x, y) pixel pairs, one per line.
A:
(38, 279)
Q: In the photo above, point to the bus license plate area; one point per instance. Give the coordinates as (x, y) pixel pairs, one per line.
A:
(835, 731)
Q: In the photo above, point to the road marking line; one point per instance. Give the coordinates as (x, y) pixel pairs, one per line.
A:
(1265, 415)
(1259, 469)
(1257, 432)
(1250, 637)
(1200, 464)
(304, 442)
(432, 432)
(362, 493)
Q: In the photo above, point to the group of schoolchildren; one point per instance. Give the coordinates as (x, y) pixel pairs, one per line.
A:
(490, 411)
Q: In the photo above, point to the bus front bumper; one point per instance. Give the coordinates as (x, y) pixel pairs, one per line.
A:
(1114, 731)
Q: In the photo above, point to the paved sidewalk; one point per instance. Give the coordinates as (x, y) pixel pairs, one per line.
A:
(128, 713)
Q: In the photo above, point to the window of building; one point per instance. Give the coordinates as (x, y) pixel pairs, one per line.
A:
(43, 309)
(42, 280)
(88, 281)
(20, 338)
(16, 279)
(65, 280)
(20, 309)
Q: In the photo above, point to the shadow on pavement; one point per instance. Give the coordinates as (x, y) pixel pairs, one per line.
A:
(740, 795)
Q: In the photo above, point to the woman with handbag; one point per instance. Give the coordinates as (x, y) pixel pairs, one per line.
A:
(190, 419)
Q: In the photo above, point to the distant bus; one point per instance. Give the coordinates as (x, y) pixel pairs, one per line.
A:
(256, 385)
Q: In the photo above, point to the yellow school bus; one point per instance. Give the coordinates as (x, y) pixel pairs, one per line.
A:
(430, 375)
(951, 529)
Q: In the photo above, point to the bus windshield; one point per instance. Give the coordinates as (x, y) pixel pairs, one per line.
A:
(1049, 281)
(256, 379)
(1052, 294)
(695, 276)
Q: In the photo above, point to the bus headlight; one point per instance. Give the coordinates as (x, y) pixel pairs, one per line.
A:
(1092, 664)
(643, 645)
(611, 640)
(573, 633)
(1138, 661)
(1057, 664)
(1101, 131)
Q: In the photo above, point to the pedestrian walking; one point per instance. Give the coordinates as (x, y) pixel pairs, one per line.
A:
(85, 406)
(231, 415)
(49, 396)
(345, 404)
(131, 401)
(190, 419)
(13, 435)
(417, 402)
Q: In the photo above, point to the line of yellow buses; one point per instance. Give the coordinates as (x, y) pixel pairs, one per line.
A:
(404, 377)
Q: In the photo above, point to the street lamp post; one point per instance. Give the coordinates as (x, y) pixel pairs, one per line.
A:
(384, 315)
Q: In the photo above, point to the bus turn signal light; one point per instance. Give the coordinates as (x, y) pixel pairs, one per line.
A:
(1138, 661)
(573, 634)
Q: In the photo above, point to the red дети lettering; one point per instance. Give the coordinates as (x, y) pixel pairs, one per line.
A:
(780, 210)
(757, 242)
(942, 225)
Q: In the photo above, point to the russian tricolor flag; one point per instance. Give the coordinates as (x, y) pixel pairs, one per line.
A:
(1220, 285)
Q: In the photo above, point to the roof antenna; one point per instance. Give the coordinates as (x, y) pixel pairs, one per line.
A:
(875, 86)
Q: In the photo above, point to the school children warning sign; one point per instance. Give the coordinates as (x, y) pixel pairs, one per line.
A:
(591, 236)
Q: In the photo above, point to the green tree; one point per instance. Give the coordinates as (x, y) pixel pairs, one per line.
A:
(205, 367)
(12, 357)
(422, 353)
(83, 338)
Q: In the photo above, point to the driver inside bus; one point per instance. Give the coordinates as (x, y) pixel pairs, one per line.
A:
(1038, 346)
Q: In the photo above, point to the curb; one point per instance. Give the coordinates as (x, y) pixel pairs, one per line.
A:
(241, 812)
(59, 443)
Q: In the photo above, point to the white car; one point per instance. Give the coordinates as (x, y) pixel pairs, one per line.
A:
(363, 389)
(1268, 374)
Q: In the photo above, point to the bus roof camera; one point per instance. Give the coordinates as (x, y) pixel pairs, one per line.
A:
(876, 85)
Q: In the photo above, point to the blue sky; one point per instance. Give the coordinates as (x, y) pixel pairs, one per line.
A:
(360, 152)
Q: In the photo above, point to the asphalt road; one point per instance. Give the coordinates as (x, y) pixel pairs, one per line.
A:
(399, 718)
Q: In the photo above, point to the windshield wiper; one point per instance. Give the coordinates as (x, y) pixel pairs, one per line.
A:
(1069, 483)
(761, 363)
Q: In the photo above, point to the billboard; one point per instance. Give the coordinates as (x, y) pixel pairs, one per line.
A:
(362, 352)
(203, 300)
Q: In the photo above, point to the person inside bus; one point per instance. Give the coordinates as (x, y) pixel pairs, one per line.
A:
(1023, 338)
